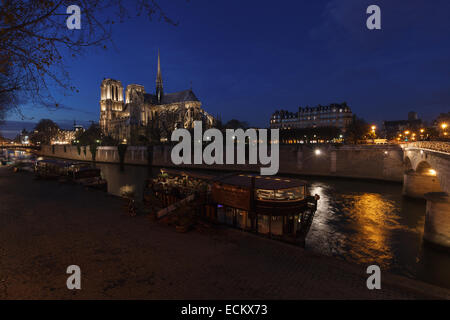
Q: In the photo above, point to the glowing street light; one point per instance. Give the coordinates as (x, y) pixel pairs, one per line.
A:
(317, 152)
(444, 126)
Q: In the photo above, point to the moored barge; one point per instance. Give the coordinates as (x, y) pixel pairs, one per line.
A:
(77, 172)
(273, 206)
(276, 207)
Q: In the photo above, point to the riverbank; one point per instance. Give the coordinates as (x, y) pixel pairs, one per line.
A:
(46, 226)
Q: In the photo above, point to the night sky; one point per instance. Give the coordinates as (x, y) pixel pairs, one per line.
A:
(248, 58)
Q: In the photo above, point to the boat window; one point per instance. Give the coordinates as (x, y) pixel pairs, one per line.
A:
(282, 194)
(262, 194)
(290, 194)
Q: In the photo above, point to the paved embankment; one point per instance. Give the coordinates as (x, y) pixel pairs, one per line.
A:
(46, 226)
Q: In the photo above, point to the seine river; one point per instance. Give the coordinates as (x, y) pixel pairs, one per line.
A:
(365, 222)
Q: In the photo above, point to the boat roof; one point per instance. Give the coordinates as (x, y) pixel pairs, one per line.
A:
(261, 182)
(242, 179)
(88, 169)
(80, 164)
(191, 174)
(55, 162)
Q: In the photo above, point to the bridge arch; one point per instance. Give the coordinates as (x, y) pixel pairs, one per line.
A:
(422, 180)
(407, 165)
(424, 168)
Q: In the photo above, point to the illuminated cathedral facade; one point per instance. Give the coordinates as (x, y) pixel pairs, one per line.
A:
(140, 113)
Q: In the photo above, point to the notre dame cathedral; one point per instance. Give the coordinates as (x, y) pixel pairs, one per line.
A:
(143, 114)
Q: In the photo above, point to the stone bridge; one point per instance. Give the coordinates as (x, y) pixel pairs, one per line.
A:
(427, 176)
(19, 147)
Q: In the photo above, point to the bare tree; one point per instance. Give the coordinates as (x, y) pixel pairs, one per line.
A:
(34, 39)
(167, 121)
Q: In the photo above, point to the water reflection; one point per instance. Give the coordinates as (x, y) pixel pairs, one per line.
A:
(371, 223)
(130, 180)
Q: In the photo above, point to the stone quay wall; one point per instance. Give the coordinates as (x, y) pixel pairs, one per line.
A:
(380, 162)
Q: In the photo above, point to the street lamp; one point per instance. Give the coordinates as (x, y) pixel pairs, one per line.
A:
(373, 127)
(444, 127)
(422, 131)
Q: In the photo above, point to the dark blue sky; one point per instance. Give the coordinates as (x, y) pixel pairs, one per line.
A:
(248, 58)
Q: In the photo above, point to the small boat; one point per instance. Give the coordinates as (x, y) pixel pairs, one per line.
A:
(82, 173)
(50, 169)
(75, 166)
(24, 165)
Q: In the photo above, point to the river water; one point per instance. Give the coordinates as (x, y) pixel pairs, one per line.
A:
(371, 222)
(359, 221)
(364, 222)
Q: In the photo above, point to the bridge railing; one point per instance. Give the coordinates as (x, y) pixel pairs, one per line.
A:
(441, 146)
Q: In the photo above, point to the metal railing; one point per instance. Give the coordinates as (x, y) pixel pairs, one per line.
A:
(441, 146)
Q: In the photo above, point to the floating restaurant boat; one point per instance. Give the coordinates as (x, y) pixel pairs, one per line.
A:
(274, 206)
(277, 207)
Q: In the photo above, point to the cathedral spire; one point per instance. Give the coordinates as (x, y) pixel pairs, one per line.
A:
(159, 82)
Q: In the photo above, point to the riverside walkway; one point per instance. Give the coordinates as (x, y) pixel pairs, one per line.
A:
(46, 226)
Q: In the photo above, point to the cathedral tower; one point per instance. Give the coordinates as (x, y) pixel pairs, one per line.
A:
(159, 82)
(111, 102)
